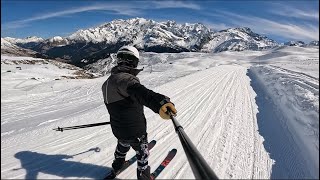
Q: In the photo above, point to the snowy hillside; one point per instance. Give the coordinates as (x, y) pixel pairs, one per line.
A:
(50, 70)
(28, 42)
(251, 114)
(289, 97)
(31, 39)
(9, 48)
(7, 45)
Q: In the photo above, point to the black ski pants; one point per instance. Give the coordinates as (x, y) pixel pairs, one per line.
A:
(140, 145)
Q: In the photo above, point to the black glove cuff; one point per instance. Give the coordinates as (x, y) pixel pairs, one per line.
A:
(165, 101)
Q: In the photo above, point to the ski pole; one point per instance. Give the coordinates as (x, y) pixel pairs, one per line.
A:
(96, 149)
(199, 166)
(80, 126)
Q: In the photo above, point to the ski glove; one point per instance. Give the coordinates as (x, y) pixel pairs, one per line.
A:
(163, 110)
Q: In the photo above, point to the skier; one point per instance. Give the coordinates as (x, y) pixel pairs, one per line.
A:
(124, 98)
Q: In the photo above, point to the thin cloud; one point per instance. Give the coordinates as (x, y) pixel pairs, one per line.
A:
(292, 31)
(216, 26)
(120, 9)
(175, 4)
(287, 11)
(112, 8)
(302, 31)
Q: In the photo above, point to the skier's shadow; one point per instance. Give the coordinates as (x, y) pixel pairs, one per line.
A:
(58, 165)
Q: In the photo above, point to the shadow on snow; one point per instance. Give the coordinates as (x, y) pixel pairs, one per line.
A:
(58, 165)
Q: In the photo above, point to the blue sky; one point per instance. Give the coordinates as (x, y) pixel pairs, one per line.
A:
(280, 20)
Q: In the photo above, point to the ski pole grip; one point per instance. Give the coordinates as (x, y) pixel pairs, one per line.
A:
(170, 112)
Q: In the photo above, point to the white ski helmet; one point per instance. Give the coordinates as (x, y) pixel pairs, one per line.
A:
(128, 55)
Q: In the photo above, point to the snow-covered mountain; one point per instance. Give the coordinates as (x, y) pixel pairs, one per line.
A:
(30, 39)
(170, 36)
(301, 43)
(295, 43)
(7, 47)
(147, 35)
(238, 39)
(58, 41)
(7, 44)
(28, 42)
(314, 43)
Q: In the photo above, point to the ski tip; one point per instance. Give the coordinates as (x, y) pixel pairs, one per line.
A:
(151, 144)
(173, 151)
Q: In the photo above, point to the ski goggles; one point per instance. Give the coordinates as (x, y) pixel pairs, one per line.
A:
(127, 57)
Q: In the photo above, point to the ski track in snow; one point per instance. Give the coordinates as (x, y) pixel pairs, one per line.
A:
(217, 108)
(212, 105)
(295, 104)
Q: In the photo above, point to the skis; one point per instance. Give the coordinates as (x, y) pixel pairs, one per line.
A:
(164, 163)
(129, 162)
(155, 173)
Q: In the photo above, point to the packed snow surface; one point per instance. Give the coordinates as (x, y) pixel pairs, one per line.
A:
(251, 114)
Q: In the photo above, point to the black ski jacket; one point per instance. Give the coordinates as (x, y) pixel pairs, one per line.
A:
(124, 98)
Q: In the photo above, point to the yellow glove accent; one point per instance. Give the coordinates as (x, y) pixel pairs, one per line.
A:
(163, 110)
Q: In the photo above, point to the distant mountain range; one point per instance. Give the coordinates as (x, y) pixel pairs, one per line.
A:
(87, 46)
(8, 47)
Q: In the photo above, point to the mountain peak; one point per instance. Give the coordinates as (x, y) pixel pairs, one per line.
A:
(294, 43)
(244, 29)
(314, 43)
(34, 38)
(29, 39)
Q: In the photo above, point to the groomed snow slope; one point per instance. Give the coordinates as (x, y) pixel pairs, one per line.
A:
(288, 97)
(216, 103)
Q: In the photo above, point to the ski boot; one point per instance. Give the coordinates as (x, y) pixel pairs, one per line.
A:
(144, 175)
(118, 164)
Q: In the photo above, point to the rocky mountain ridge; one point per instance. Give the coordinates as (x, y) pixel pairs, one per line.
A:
(89, 45)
